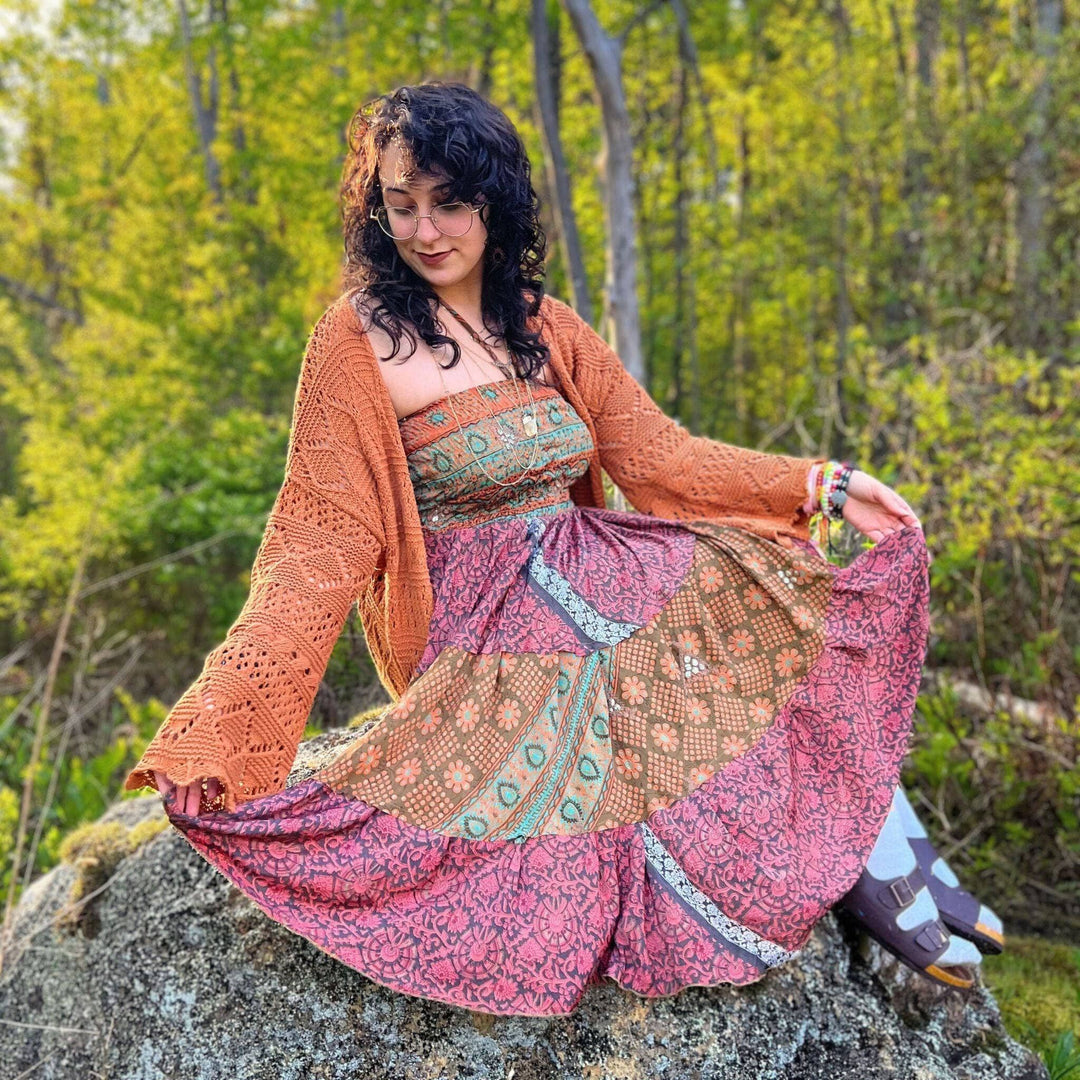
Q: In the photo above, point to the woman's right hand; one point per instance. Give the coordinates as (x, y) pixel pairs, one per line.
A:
(187, 795)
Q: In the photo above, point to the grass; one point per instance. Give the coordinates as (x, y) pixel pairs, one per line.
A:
(1037, 985)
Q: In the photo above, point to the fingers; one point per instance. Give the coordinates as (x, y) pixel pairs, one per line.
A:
(164, 785)
(193, 799)
(870, 489)
(188, 797)
(903, 511)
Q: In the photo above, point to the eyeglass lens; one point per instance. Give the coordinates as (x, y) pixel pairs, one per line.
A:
(401, 222)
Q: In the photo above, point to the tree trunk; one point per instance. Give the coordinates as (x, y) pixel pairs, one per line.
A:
(548, 75)
(205, 114)
(1033, 189)
(604, 55)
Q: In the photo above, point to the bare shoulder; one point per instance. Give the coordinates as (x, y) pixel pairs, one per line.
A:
(382, 343)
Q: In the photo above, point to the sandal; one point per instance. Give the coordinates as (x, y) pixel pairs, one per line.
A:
(875, 905)
(960, 911)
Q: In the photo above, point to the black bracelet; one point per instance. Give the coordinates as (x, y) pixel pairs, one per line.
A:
(838, 496)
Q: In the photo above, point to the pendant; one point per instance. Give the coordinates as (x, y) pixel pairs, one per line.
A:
(506, 432)
(528, 422)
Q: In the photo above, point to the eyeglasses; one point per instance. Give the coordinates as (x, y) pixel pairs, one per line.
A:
(401, 222)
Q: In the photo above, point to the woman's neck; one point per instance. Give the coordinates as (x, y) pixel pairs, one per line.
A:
(465, 296)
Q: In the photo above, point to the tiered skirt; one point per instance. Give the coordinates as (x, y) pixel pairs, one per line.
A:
(642, 750)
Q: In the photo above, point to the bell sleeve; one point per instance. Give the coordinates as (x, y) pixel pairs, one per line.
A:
(667, 472)
(242, 719)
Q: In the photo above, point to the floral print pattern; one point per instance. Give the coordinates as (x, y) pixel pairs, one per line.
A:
(535, 816)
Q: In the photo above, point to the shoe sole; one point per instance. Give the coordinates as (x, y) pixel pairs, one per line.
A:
(985, 938)
(863, 903)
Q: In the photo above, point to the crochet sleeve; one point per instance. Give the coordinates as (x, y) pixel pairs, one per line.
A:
(242, 719)
(666, 471)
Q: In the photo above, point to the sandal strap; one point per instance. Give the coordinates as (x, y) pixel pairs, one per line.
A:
(932, 937)
(899, 893)
(875, 904)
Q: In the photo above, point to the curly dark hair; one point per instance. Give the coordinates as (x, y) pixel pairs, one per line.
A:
(448, 130)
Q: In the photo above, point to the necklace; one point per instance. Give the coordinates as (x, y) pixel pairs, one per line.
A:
(528, 418)
(507, 432)
(510, 442)
(525, 470)
(504, 429)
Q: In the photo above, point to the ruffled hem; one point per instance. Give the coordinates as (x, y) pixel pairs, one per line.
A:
(717, 888)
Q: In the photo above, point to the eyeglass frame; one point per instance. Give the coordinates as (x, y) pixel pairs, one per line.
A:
(417, 218)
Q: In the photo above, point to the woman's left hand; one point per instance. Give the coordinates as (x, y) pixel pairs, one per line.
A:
(874, 509)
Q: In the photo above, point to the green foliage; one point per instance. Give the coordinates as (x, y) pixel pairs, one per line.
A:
(828, 264)
(1001, 795)
(985, 446)
(1064, 1059)
(83, 788)
(1036, 983)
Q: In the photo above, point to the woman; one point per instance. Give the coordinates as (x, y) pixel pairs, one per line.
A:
(650, 746)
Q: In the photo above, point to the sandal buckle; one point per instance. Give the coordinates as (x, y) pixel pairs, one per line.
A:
(932, 936)
(902, 891)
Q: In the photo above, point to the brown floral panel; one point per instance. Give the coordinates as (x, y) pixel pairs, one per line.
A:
(507, 745)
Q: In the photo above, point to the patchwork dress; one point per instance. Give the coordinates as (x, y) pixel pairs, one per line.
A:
(637, 749)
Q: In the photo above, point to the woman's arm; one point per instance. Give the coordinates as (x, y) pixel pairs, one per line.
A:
(241, 721)
(667, 472)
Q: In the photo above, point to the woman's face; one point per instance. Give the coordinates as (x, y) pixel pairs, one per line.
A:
(465, 254)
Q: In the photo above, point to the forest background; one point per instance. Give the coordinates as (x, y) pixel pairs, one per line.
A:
(845, 227)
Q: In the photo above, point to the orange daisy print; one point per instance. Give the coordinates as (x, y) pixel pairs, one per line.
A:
(788, 661)
(458, 776)
(697, 711)
(710, 579)
(724, 678)
(755, 564)
(761, 711)
(733, 746)
(467, 715)
(368, 758)
(405, 705)
(756, 597)
(508, 715)
(634, 690)
(431, 721)
(408, 772)
(665, 737)
(701, 773)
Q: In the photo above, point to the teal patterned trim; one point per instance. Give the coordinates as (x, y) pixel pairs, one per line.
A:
(742, 937)
(525, 826)
(588, 620)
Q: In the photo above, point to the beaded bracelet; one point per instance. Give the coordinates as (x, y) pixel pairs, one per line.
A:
(835, 476)
(830, 494)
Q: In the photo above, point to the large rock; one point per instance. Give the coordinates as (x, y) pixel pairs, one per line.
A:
(165, 969)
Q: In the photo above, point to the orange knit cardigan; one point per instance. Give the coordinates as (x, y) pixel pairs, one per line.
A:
(345, 529)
